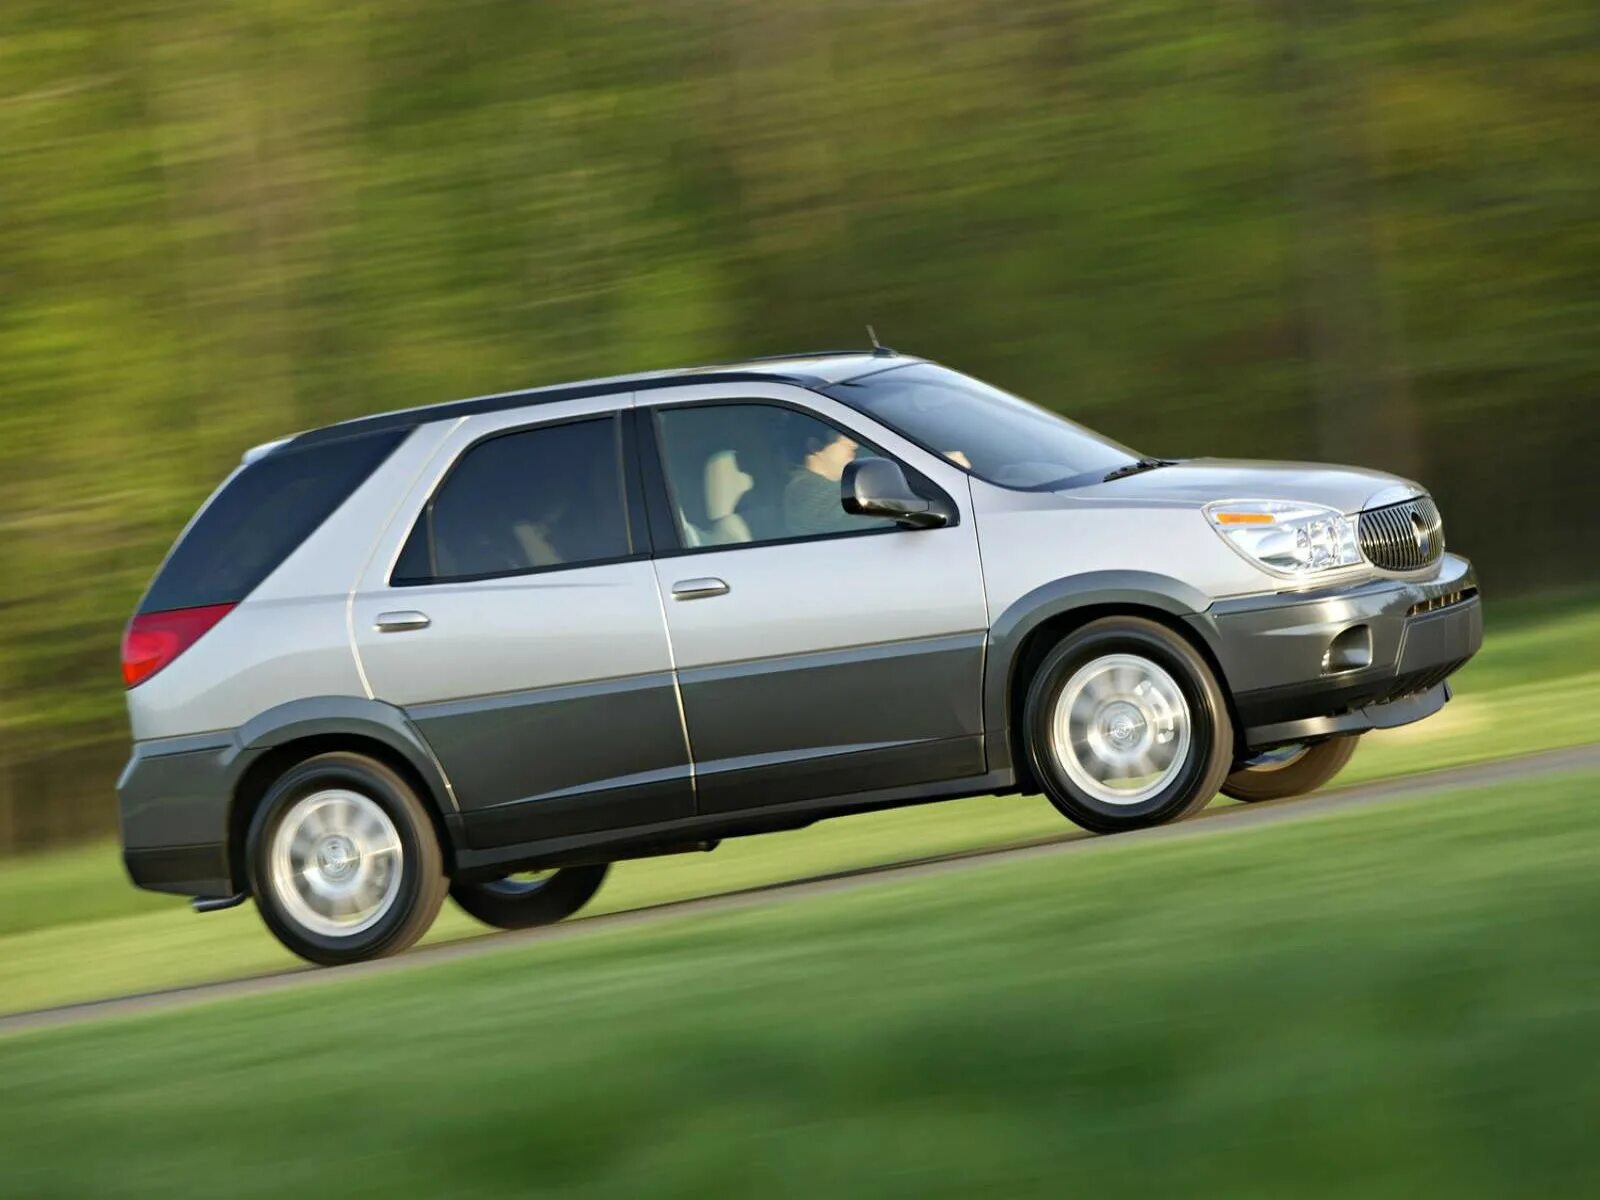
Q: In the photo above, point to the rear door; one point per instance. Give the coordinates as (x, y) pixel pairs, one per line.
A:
(512, 612)
(819, 654)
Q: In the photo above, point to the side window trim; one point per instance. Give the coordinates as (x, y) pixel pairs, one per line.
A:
(629, 493)
(668, 506)
(631, 501)
(665, 535)
(656, 493)
(429, 537)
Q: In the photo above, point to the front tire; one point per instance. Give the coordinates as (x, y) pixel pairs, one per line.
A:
(343, 860)
(1307, 771)
(1125, 726)
(543, 898)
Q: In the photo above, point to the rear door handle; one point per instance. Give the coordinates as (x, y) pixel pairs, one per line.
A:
(699, 589)
(399, 622)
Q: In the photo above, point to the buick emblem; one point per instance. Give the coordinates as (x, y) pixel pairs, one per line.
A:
(1419, 533)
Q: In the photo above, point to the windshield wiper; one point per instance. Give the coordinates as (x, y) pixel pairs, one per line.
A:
(1138, 465)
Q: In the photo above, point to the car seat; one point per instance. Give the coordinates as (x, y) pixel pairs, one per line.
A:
(725, 486)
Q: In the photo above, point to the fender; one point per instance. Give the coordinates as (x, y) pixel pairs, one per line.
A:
(320, 716)
(176, 794)
(1009, 631)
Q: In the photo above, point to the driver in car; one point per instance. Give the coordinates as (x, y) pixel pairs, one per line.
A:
(811, 497)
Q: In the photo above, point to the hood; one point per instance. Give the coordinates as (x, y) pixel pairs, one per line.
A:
(1202, 480)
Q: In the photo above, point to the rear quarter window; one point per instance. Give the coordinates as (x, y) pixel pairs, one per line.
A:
(260, 515)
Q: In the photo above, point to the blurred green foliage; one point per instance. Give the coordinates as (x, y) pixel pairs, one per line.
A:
(1361, 230)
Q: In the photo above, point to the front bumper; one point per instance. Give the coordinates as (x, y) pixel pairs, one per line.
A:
(1313, 664)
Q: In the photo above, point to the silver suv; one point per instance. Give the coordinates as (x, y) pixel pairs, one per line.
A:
(492, 646)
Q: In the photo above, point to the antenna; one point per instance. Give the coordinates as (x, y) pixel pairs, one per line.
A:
(879, 350)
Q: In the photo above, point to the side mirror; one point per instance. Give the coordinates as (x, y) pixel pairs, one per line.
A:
(877, 487)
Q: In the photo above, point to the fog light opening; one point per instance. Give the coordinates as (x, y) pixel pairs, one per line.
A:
(1349, 651)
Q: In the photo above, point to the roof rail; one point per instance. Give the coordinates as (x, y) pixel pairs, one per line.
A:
(735, 371)
(761, 358)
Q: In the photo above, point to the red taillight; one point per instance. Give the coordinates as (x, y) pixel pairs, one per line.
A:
(154, 639)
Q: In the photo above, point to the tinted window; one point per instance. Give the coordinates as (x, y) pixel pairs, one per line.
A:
(992, 434)
(527, 501)
(259, 516)
(756, 473)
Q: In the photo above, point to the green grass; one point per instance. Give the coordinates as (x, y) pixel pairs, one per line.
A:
(1396, 1001)
(72, 928)
(68, 887)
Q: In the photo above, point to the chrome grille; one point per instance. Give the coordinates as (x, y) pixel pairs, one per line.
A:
(1403, 537)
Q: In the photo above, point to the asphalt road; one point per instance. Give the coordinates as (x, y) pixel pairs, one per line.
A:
(1216, 822)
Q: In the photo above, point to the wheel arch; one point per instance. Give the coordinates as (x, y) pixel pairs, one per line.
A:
(1023, 634)
(281, 737)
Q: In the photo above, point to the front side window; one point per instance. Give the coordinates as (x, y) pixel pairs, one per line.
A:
(991, 433)
(527, 501)
(741, 473)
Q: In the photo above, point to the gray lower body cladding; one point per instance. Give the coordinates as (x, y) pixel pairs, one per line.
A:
(590, 762)
(604, 756)
(567, 760)
(173, 809)
(834, 722)
(1370, 657)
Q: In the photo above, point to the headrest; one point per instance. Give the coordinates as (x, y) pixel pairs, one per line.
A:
(725, 484)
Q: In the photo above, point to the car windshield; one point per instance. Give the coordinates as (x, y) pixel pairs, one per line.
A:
(996, 436)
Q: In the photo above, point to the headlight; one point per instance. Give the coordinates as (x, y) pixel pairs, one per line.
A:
(1287, 538)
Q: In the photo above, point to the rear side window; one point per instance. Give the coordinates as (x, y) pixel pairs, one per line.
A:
(260, 515)
(534, 500)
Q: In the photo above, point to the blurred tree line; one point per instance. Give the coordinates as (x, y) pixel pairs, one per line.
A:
(1343, 229)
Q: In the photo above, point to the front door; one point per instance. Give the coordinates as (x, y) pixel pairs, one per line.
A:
(818, 653)
(520, 629)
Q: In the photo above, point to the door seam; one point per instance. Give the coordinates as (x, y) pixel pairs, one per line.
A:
(988, 629)
(372, 552)
(355, 588)
(677, 689)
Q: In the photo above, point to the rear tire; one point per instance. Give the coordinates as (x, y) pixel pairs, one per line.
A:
(512, 903)
(1314, 767)
(1124, 726)
(343, 861)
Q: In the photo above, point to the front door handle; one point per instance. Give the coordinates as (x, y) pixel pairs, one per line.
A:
(399, 622)
(698, 589)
